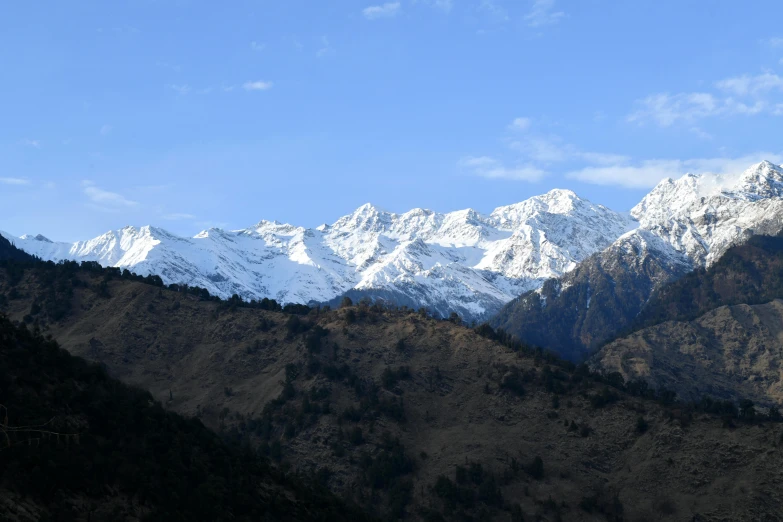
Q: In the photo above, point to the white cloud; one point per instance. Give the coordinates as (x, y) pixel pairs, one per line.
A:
(544, 149)
(599, 158)
(14, 181)
(387, 10)
(258, 47)
(124, 30)
(751, 85)
(104, 199)
(699, 132)
(177, 216)
(746, 95)
(212, 224)
(644, 175)
(325, 49)
(257, 86)
(520, 124)
(543, 13)
(105, 130)
(492, 168)
(443, 5)
(775, 41)
(172, 66)
(648, 173)
(495, 11)
(31, 143)
(665, 109)
(180, 89)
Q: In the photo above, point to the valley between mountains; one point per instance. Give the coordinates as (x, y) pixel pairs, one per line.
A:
(554, 360)
(407, 416)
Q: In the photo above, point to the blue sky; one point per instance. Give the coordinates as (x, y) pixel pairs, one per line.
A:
(188, 114)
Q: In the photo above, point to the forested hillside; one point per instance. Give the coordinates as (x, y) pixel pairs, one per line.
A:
(76, 444)
(751, 273)
(408, 416)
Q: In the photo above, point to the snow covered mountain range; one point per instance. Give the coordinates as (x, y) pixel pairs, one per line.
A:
(460, 261)
(682, 225)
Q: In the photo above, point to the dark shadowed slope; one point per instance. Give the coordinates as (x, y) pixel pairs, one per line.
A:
(716, 331)
(576, 313)
(747, 274)
(412, 417)
(78, 445)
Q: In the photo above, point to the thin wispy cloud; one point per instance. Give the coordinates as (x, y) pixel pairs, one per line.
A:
(666, 110)
(257, 46)
(744, 95)
(14, 181)
(171, 66)
(257, 86)
(106, 130)
(387, 10)
(185, 89)
(104, 199)
(177, 216)
(494, 10)
(648, 173)
(543, 149)
(180, 89)
(492, 168)
(212, 224)
(543, 13)
(120, 30)
(326, 48)
(442, 5)
(535, 153)
(520, 124)
(747, 85)
(31, 143)
(775, 42)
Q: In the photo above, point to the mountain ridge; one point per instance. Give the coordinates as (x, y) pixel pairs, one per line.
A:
(684, 224)
(462, 261)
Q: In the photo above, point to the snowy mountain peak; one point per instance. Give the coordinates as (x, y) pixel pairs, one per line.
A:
(463, 260)
(560, 201)
(367, 217)
(37, 237)
(762, 180)
(703, 215)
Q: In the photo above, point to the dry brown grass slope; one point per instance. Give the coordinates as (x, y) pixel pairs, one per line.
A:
(224, 365)
(731, 352)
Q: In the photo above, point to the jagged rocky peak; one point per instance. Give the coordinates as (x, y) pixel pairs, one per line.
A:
(367, 217)
(37, 237)
(760, 181)
(264, 227)
(557, 202)
(418, 222)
